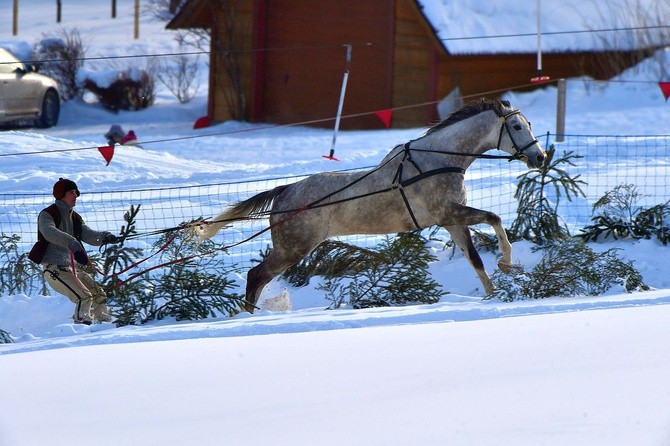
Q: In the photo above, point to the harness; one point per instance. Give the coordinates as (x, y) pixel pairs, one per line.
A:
(399, 183)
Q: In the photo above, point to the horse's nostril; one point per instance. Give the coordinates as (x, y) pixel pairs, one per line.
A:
(540, 157)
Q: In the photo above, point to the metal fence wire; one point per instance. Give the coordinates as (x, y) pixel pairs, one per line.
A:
(607, 162)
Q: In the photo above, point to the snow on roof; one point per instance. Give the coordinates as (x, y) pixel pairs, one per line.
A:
(460, 23)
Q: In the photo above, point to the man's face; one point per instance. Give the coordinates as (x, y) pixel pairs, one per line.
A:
(70, 198)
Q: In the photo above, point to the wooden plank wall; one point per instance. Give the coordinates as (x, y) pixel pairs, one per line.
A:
(304, 75)
(221, 88)
(412, 67)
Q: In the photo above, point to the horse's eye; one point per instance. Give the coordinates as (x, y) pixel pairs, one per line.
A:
(517, 127)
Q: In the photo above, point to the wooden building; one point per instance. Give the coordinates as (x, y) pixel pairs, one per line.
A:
(283, 61)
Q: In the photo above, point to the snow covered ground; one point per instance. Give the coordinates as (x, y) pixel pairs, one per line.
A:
(559, 371)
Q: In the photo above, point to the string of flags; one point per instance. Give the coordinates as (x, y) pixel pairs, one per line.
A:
(385, 116)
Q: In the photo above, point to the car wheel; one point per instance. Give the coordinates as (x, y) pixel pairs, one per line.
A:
(50, 110)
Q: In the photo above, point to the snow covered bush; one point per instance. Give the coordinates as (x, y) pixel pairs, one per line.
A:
(538, 193)
(192, 283)
(130, 89)
(5, 337)
(618, 215)
(569, 268)
(17, 273)
(180, 76)
(395, 273)
(60, 57)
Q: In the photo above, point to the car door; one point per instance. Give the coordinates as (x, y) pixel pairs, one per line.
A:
(18, 90)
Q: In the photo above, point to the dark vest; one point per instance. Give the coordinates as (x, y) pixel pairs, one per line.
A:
(39, 248)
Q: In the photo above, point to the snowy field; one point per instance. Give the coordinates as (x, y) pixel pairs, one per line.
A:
(464, 371)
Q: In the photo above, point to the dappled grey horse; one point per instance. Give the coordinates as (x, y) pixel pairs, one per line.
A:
(417, 185)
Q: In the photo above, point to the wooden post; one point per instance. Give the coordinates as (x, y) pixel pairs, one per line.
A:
(113, 9)
(59, 7)
(560, 111)
(15, 18)
(137, 19)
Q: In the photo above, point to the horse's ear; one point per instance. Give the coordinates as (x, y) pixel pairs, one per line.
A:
(500, 104)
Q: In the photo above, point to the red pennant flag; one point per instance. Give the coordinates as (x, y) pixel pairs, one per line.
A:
(385, 117)
(107, 153)
(665, 88)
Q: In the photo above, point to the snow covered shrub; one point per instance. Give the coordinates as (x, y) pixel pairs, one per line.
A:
(196, 285)
(5, 338)
(620, 216)
(569, 268)
(539, 192)
(397, 274)
(330, 259)
(192, 284)
(132, 89)
(180, 76)
(60, 57)
(17, 273)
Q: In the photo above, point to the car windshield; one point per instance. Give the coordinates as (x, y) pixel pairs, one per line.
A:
(9, 63)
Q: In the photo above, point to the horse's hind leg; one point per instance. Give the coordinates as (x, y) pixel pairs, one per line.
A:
(260, 275)
(461, 236)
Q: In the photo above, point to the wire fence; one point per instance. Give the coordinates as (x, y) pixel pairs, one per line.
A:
(606, 162)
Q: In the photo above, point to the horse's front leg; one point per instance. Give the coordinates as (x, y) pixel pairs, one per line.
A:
(468, 216)
(461, 237)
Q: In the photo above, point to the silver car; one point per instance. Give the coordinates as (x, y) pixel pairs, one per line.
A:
(25, 94)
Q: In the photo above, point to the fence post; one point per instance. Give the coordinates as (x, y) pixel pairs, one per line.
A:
(560, 111)
(137, 19)
(15, 18)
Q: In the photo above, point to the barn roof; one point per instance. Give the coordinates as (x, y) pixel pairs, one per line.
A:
(510, 26)
(567, 25)
(192, 14)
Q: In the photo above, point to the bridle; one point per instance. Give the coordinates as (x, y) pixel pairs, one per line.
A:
(504, 125)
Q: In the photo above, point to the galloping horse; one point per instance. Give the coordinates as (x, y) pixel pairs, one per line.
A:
(417, 185)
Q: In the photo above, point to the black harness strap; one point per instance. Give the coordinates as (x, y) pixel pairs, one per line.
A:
(400, 184)
(430, 173)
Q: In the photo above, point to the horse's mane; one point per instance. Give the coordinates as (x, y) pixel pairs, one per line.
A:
(465, 112)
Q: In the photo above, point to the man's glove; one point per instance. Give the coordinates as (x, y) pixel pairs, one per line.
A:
(110, 238)
(79, 252)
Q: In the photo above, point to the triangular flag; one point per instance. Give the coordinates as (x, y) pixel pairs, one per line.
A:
(665, 88)
(202, 122)
(385, 117)
(107, 153)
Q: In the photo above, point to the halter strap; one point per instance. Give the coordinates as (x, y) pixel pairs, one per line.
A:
(505, 126)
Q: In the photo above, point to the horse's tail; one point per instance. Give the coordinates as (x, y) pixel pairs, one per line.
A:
(258, 204)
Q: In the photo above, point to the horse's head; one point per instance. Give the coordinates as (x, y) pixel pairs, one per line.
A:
(516, 137)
